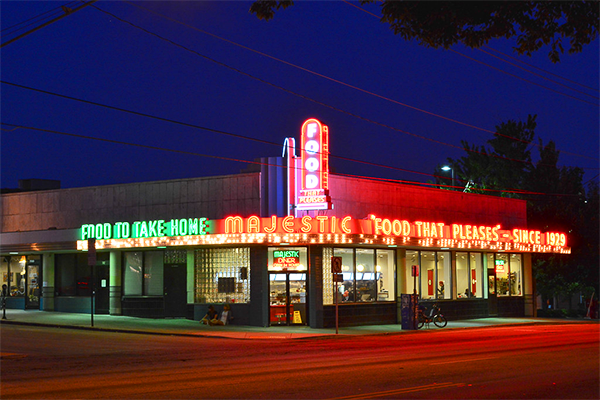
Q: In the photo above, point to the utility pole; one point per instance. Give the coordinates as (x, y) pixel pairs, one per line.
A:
(68, 11)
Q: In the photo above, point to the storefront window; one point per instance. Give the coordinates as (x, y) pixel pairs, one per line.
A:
(502, 272)
(427, 275)
(153, 273)
(72, 275)
(515, 276)
(347, 276)
(412, 258)
(222, 275)
(508, 274)
(469, 275)
(14, 274)
(491, 268)
(365, 275)
(368, 275)
(385, 273)
(132, 273)
(444, 273)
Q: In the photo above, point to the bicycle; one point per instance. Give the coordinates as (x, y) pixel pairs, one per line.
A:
(435, 316)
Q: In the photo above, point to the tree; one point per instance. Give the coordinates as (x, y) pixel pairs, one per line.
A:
(443, 24)
(505, 163)
(556, 199)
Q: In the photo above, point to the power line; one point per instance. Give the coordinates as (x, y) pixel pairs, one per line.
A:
(523, 79)
(242, 136)
(129, 143)
(541, 69)
(37, 17)
(113, 141)
(311, 99)
(67, 13)
(324, 77)
(538, 75)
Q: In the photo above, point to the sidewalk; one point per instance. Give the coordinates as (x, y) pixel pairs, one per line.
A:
(185, 327)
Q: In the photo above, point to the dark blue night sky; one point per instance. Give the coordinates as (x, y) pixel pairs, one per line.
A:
(197, 80)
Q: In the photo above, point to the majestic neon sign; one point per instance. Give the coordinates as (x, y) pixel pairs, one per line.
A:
(372, 230)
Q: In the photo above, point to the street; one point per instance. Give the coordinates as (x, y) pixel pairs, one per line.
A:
(530, 361)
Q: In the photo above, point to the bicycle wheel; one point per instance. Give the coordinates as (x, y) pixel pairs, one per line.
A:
(421, 322)
(440, 321)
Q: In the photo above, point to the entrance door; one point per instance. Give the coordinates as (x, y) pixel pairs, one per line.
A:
(287, 304)
(492, 297)
(175, 285)
(101, 287)
(32, 297)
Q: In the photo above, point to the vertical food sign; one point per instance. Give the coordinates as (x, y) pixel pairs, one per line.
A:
(313, 192)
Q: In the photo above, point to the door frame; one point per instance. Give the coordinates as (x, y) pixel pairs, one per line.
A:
(175, 289)
(289, 308)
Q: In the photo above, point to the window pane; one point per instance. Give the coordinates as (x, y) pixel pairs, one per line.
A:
(385, 272)
(491, 274)
(463, 281)
(365, 275)
(427, 275)
(153, 273)
(502, 286)
(132, 274)
(4, 272)
(348, 283)
(65, 266)
(476, 275)
(444, 274)
(515, 275)
(412, 258)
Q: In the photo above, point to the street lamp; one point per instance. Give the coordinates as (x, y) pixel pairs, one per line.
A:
(447, 168)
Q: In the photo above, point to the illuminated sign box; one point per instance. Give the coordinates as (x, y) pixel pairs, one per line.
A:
(318, 229)
(286, 259)
(313, 193)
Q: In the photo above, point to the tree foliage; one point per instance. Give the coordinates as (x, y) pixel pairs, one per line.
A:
(556, 198)
(437, 24)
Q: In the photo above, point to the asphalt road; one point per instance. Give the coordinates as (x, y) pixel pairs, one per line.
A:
(516, 362)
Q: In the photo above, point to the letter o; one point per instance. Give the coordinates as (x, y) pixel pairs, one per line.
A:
(312, 164)
(386, 226)
(312, 181)
(311, 147)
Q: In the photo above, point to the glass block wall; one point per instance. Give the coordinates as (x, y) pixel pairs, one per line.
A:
(222, 275)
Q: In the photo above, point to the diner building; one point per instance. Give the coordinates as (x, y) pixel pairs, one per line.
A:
(269, 243)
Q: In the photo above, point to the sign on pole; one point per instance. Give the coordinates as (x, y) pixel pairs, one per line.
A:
(92, 263)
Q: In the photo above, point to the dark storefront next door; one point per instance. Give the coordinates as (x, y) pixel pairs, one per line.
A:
(492, 297)
(175, 283)
(287, 304)
(101, 287)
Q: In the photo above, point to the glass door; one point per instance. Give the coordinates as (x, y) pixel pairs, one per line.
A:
(32, 284)
(279, 299)
(287, 304)
(297, 285)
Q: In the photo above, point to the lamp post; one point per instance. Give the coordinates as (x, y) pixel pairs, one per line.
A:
(446, 168)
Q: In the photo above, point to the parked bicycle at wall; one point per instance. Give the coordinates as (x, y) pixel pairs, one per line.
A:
(434, 315)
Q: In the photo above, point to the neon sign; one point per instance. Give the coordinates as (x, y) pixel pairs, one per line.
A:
(286, 259)
(314, 156)
(145, 229)
(319, 229)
